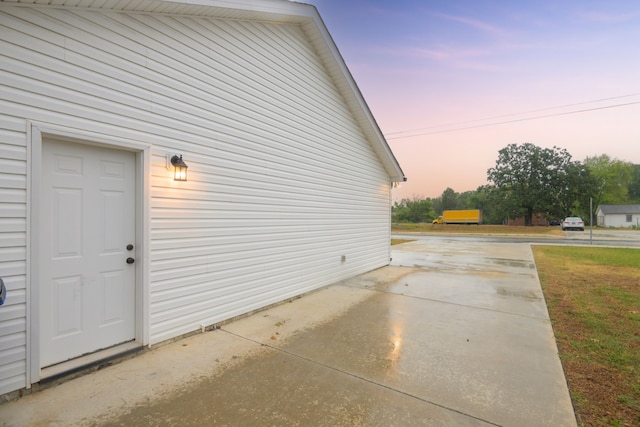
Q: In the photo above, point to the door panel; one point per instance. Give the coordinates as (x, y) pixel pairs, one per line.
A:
(67, 292)
(87, 219)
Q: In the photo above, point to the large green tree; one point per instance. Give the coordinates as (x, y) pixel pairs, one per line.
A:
(415, 210)
(449, 199)
(573, 193)
(612, 179)
(532, 180)
(634, 187)
(492, 203)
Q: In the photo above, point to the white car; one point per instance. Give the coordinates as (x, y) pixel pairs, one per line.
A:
(573, 223)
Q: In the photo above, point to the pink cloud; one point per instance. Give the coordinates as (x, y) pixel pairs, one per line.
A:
(474, 23)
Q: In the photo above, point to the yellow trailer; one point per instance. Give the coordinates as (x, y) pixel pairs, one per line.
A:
(464, 216)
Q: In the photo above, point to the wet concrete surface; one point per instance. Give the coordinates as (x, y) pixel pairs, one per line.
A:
(454, 333)
(597, 236)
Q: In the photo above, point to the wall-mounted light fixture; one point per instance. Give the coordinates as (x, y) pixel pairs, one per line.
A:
(180, 168)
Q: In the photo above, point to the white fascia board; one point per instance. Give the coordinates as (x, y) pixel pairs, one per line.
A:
(263, 10)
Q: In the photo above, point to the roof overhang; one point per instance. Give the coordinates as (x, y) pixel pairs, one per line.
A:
(629, 209)
(277, 11)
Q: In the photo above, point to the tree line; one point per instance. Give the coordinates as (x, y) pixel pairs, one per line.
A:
(529, 181)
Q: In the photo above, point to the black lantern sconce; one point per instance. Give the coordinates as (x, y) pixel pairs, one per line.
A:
(180, 168)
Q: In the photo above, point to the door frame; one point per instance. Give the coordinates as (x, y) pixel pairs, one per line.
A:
(36, 133)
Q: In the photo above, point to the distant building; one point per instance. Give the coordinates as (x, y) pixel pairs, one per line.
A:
(535, 220)
(618, 216)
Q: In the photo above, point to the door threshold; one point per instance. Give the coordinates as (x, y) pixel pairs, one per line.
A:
(88, 362)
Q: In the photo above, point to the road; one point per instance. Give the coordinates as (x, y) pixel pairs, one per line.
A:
(596, 237)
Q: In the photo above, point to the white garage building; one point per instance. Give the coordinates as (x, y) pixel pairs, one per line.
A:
(623, 216)
(287, 190)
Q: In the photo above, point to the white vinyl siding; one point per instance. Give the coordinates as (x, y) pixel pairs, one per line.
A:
(281, 184)
(618, 220)
(13, 197)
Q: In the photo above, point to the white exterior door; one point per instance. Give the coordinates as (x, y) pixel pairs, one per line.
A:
(87, 222)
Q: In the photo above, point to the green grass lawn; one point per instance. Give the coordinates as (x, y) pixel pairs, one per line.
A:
(593, 297)
(473, 229)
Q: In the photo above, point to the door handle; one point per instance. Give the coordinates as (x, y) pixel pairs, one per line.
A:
(130, 260)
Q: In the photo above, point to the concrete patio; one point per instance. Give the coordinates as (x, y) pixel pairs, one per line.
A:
(452, 333)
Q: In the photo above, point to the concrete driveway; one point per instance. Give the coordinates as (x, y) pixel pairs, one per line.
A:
(452, 333)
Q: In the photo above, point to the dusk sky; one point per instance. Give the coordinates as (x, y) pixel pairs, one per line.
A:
(451, 82)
